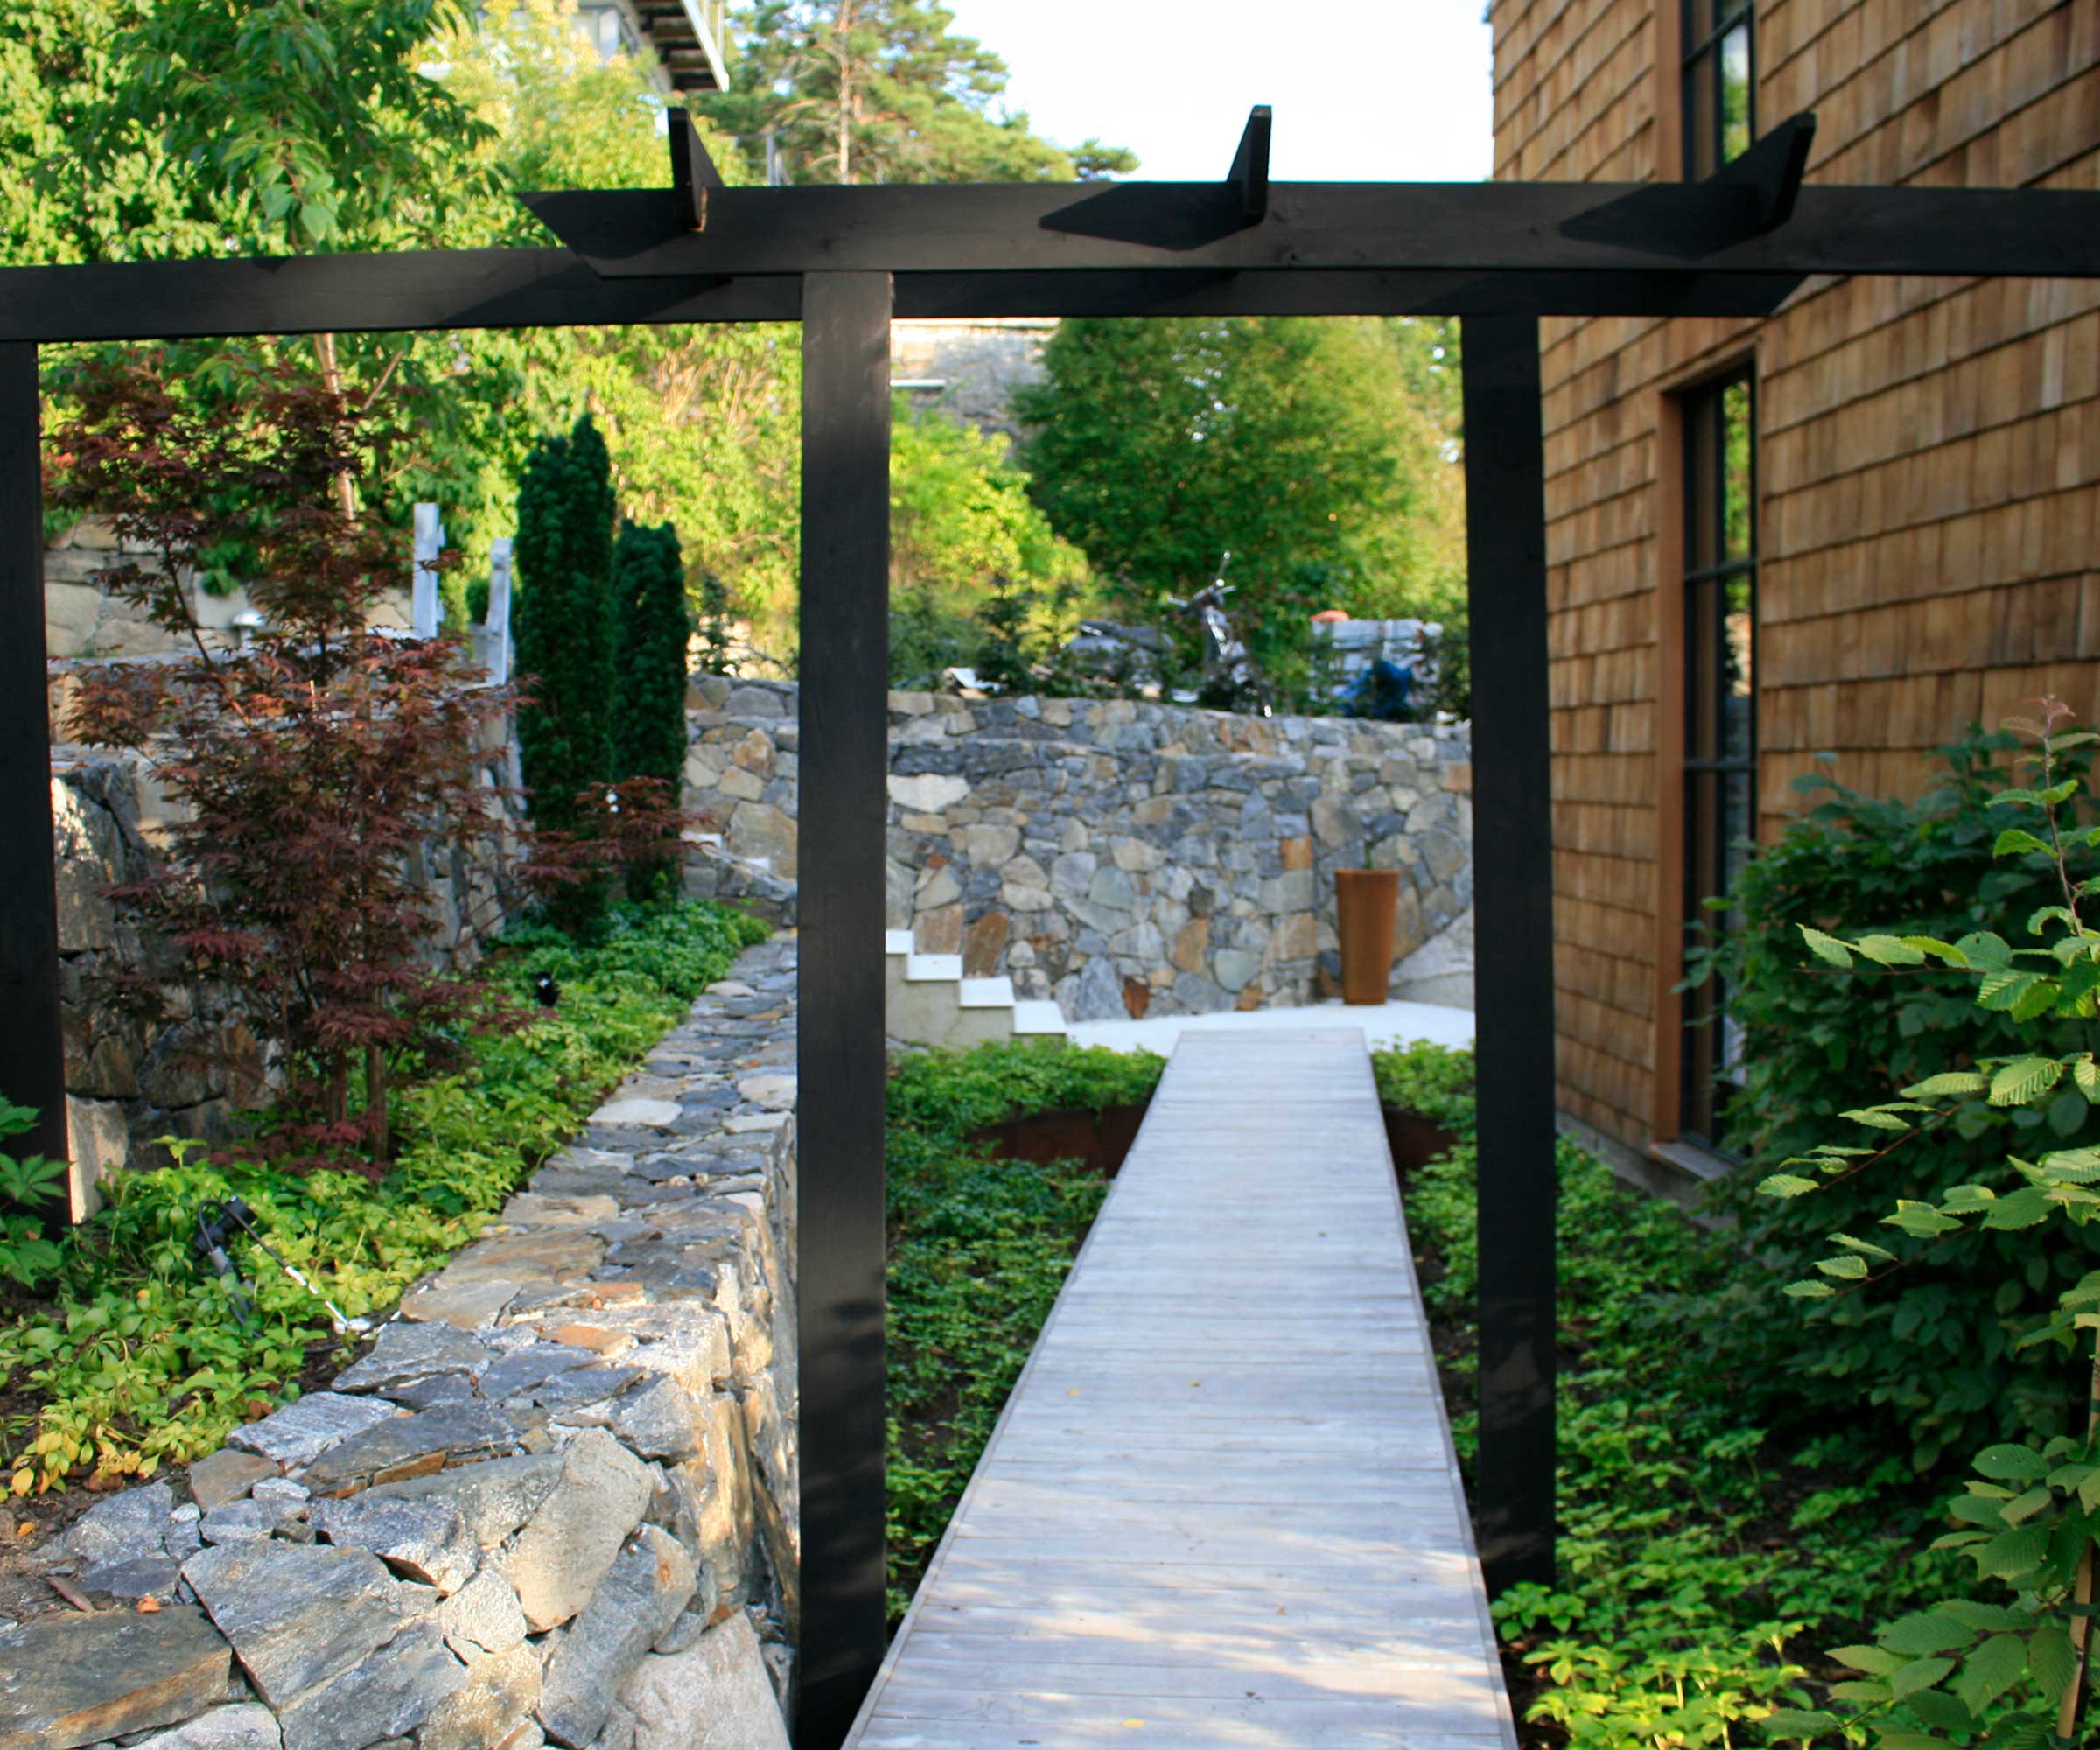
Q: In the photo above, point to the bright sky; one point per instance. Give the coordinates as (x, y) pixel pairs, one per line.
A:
(1363, 90)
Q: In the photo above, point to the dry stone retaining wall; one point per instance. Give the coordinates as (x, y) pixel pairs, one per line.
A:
(555, 1502)
(1119, 855)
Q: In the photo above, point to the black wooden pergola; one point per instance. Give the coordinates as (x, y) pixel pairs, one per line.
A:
(844, 261)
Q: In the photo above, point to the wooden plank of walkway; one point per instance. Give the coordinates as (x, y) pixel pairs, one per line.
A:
(1221, 1508)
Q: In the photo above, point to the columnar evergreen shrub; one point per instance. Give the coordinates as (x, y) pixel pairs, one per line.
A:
(563, 623)
(652, 633)
(1933, 1355)
(654, 627)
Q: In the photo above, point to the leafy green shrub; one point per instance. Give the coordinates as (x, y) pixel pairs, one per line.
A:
(979, 1247)
(1933, 1356)
(140, 1360)
(2007, 1669)
(1700, 1555)
(28, 1186)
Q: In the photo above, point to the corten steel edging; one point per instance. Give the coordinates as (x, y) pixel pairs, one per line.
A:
(1513, 888)
(844, 763)
(496, 288)
(32, 1057)
(1535, 228)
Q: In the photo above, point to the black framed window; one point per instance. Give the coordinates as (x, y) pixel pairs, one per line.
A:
(1720, 703)
(1720, 81)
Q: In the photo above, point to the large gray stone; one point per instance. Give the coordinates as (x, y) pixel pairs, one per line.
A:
(639, 1599)
(520, 1370)
(226, 1475)
(422, 1540)
(497, 1699)
(657, 1421)
(407, 1353)
(244, 1726)
(411, 1445)
(126, 1528)
(571, 1539)
(305, 1428)
(76, 1678)
(298, 1615)
(482, 1616)
(493, 1498)
(391, 1691)
(714, 1696)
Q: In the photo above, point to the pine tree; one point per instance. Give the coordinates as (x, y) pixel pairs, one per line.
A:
(563, 622)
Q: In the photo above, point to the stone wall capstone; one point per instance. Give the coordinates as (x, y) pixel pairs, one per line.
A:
(1122, 856)
(557, 1501)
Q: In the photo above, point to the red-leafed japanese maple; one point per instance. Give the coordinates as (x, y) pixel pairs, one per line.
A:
(317, 764)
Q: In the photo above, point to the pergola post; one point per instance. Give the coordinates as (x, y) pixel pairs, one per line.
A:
(1513, 894)
(33, 1057)
(844, 763)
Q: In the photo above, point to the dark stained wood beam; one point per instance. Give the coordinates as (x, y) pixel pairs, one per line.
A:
(550, 288)
(1512, 885)
(841, 1037)
(33, 1055)
(1515, 227)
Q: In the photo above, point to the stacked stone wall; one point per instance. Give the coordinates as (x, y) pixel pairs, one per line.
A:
(1122, 856)
(555, 1500)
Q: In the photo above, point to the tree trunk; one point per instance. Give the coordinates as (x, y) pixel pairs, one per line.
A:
(331, 377)
(376, 1106)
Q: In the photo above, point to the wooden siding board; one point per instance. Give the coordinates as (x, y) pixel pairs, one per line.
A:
(1930, 455)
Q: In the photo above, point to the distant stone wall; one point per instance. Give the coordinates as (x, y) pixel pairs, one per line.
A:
(556, 1501)
(81, 618)
(1121, 857)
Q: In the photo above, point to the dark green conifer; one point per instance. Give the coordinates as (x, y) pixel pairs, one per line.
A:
(563, 622)
(655, 628)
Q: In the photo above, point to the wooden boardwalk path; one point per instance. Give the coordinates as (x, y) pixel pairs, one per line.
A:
(1221, 1508)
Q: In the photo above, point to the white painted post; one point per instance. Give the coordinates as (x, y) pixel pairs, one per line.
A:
(499, 610)
(426, 612)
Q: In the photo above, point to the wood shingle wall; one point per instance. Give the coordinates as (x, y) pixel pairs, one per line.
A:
(1928, 457)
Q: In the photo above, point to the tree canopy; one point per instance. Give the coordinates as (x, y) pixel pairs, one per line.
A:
(883, 91)
(1322, 453)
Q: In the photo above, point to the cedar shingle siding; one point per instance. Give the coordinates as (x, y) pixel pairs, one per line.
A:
(1927, 459)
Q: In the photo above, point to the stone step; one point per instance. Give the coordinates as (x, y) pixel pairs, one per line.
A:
(928, 968)
(1038, 1017)
(985, 993)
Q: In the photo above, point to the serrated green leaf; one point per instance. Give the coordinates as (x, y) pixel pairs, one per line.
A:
(1861, 1247)
(1991, 1670)
(1939, 950)
(1923, 1632)
(2052, 1660)
(1796, 1722)
(1887, 1738)
(1946, 1083)
(2037, 999)
(2003, 986)
(1870, 1660)
(1826, 948)
(2012, 1464)
(1983, 1617)
(2010, 1554)
(1937, 1708)
(1806, 1289)
(1920, 1220)
(1919, 1674)
(2023, 1078)
(2015, 839)
(1846, 1268)
(1985, 948)
(1875, 1119)
(2086, 1073)
(1888, 951)
(2021, 1208)
(2027, 1506)
(1785, 1185)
